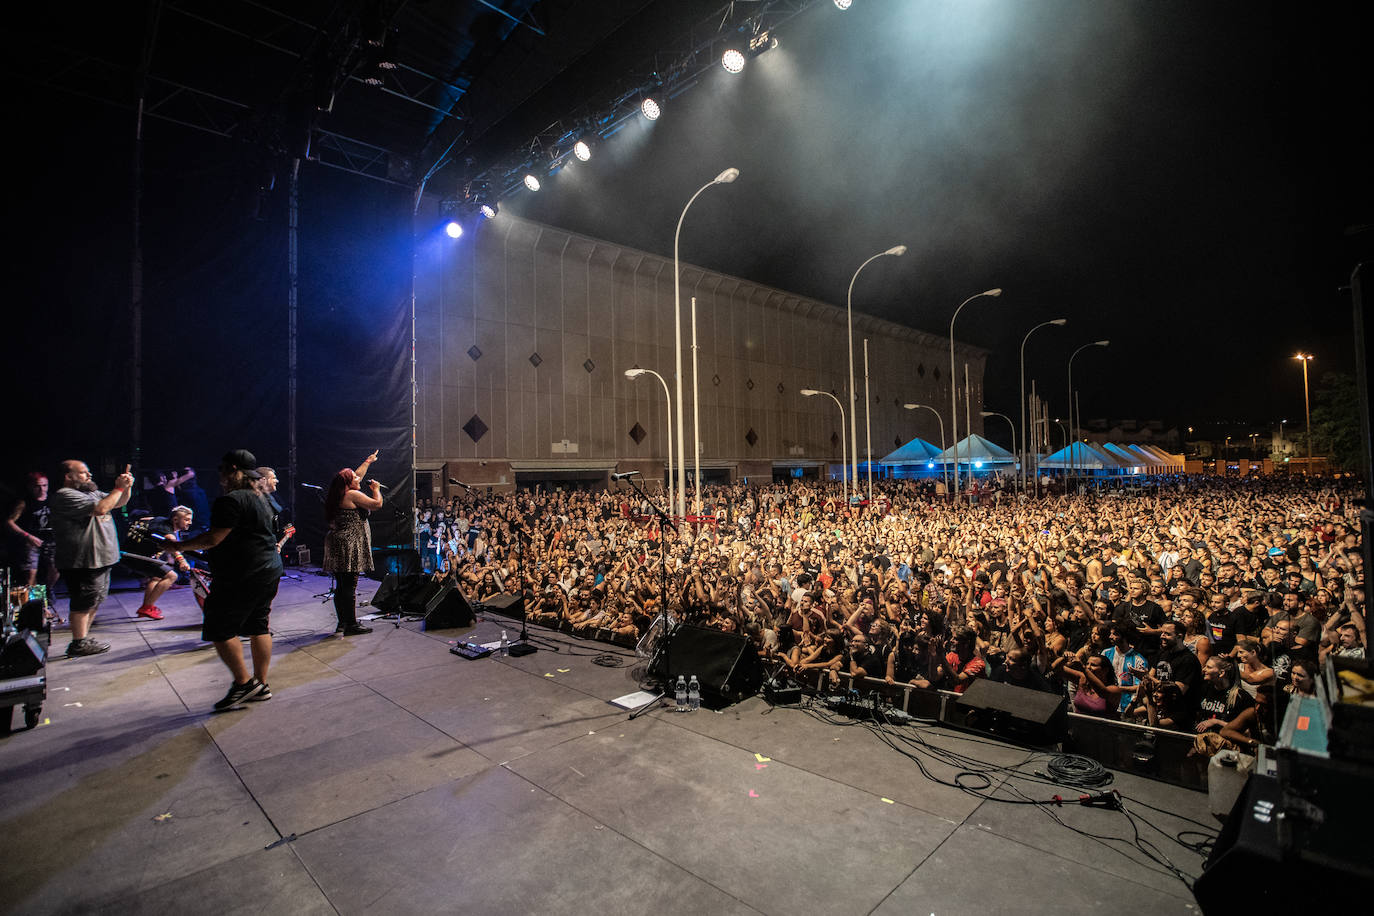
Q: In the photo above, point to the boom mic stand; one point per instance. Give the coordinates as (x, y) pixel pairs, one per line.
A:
(665, 635)
(327, 595)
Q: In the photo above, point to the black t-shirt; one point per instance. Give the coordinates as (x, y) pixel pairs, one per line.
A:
(249, 551)
(869, 659)
(1180, 664)
(1033, 680)
(1222, 704)
(36, 518)
(1148, 614)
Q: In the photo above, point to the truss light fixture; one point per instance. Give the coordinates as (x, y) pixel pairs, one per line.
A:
(650, 109)
(761, 42)
(732, 61)
(487, 210)
(843, 4)
(532, 183)
(453, 229)
(582, 151)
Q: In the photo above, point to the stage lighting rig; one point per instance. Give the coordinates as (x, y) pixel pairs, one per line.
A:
(732, 61)
(582, 151)
(760, 41)
(649, 108)
(531, 182)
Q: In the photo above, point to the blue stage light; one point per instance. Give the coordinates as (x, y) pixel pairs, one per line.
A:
(453, 230)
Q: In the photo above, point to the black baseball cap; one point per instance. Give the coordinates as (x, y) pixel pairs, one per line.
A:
(240, 459)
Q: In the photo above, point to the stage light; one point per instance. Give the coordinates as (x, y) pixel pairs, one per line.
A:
(843, 4)
(532, 183)
(582, 151)
(761, 42)
(732, 61)
(650, 109)
(487, 211)
(978, 464)
(453, 230)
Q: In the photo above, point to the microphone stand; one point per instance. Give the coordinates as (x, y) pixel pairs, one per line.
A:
(665, 636)
(522, 646)
(327, 595)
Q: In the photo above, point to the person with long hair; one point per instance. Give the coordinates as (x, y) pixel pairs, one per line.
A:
(348, 542)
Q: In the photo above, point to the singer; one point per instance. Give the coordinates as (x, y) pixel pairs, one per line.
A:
(348, 543)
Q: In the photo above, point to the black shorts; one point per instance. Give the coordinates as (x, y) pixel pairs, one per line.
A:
(144, 567)
(238, 608)
(87, 587)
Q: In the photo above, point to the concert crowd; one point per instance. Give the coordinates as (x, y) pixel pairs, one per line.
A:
(1195, 604)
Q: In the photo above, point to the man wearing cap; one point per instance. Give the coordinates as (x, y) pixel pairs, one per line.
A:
(87, 546)
(247, 571)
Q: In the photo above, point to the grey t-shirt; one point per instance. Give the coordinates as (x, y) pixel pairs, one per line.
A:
(84, 540)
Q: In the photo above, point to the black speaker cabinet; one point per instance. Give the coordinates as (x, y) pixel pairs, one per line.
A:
(445, 607)
(21, 656)
(506, 605)
(725, 664)
(1016, 713)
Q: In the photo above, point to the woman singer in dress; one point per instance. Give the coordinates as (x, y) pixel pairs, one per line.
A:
(348, 543)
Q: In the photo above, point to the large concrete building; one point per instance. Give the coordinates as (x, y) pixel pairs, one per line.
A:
(524, 333)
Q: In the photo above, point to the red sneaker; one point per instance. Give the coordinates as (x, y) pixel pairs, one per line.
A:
(150, 611)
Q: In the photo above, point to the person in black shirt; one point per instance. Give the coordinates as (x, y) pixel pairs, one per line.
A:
(1175, 663)
(30, 525)
(1018, 673)
(1147, 616)
(247, 572)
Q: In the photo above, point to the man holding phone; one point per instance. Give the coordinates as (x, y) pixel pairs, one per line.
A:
(87, 546)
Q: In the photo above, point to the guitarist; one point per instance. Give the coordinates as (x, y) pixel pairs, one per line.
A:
(282, 528)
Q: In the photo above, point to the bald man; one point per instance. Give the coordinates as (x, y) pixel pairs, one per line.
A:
(87, 546)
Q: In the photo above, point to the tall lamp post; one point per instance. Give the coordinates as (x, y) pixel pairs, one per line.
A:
(944, 469)
(897, 251)
(954, 385)
(636, 373)
(1010, 422)
(1057, 322)
(724, 177)
(844, 462)
(1073, 427)
(1306, 358)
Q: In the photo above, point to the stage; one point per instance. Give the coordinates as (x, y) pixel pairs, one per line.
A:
(388, 775)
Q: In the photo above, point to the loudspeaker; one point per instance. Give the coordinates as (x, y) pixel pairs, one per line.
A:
(21, 656)
(446, 607)
(1017, 713)
(395, 592)
(506, 605)
(403, 561)
(725, 664)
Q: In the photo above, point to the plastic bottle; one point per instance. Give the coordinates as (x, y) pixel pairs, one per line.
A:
(693, 694)
(681, 693)
(505, 643)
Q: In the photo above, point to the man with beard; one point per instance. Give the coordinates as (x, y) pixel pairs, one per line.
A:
(87, 546)
(1175, 663)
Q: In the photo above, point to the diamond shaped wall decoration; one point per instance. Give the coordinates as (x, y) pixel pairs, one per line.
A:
(751, 437)
(535, 360)
(834, 440)
(936, 373)
(921, 370)
(715, 380)
(780, 388)
(637, 433)
(475, 428)
(589, 365)
(475, 352)
(896, 441)
(749, 384)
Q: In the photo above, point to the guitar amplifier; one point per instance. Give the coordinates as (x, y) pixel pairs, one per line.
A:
(302, 555)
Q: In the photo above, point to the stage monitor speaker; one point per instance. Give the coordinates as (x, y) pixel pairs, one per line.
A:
(21, 656)
(725, 664)
(394, 592)
(403, 561)
(506, 605)
(447, 608)
(1016, 713)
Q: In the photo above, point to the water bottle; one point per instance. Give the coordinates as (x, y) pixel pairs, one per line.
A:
(505, 643)
(681, 693)
(693, 694)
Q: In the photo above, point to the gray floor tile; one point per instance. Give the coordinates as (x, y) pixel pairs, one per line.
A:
(263, 881)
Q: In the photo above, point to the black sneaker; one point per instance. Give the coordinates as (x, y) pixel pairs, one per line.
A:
(238, 693)
(264, 694)
(86, 646)
(356, 629)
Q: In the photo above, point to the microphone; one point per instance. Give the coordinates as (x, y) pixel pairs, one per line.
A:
(379, 483)
(312, 486)
(624, 475)
(458, 483)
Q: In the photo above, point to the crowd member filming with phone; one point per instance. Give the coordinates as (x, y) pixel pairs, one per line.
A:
(87, 546)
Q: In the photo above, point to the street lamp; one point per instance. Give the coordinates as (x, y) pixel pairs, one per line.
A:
(896, 250)
(1305, 358)
(1057, 322)
(1072, 424)
(1010, 422)
(953, 386)
(944, 468)
(636, 373)
(844, 461)
(724, 177)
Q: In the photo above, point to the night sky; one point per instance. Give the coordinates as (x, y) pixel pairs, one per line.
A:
(1177, 177)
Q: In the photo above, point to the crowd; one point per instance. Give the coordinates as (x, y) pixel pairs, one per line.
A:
(1197, 604)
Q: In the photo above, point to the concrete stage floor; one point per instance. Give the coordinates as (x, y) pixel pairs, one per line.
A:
(390, 776)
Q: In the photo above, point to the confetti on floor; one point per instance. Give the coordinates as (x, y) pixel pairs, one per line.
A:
(753, 794)
(760, 766)
(163, 817)
(564, 670)
(761, 759)
(888, 801)
(548, 675)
